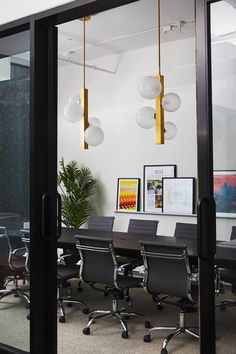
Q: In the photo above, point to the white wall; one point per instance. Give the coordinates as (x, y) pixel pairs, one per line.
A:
(114, 99)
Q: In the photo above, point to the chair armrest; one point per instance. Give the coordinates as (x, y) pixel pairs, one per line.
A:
(194, 278)
(125, 269)
(67, 255)
(21, 250)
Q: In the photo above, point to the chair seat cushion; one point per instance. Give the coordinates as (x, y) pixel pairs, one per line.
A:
(65, 272)
(127, 282)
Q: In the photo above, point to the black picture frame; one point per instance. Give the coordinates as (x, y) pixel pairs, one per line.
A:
(183, 194)
(159, 172)
(132, 204)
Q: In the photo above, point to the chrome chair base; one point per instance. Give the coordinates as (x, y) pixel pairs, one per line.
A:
(16, 292)
(226, 303)
(69, 300)
(180, 328)
(122, 315)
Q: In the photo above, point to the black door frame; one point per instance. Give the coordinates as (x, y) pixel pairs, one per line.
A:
(43, 325)
(43, 163)
(206, 205)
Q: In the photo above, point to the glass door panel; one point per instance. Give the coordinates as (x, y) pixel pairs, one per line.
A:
(14, 181)
(223, 64)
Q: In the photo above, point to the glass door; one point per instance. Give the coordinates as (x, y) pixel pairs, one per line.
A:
(28, 199)
(223, 60)
(15, 188)
(216, 38)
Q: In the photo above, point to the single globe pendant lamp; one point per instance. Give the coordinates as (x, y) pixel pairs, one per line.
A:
(152, 87)
(73, 110)
(94, 135)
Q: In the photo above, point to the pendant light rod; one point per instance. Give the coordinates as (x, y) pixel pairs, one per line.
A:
(159, 35)
(84, 92)
(84, 49)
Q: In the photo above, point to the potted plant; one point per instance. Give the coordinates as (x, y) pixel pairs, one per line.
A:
(77, 189)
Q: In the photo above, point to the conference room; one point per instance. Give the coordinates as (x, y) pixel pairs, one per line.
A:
(136, 138)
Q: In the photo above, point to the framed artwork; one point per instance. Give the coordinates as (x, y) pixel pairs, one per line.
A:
(128, 194)
(178, 195)
(152, 189)
(224, 183)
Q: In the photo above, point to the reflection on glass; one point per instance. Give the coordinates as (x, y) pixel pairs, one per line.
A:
(14, 181)
(223, 47)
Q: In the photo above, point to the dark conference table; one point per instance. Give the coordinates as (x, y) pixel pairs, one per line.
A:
(124, 241)
(128, 243)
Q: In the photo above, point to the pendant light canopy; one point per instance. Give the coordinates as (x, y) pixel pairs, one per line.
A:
(152, 87)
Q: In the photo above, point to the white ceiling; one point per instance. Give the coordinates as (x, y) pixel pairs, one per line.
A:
(120, 28)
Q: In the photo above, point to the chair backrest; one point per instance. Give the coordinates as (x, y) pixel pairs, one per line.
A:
(146, 227)
(26, 241)
(233, 233)
(98, 260)
(5, 249)
(167, 269)
(103, 223)
(185, 230)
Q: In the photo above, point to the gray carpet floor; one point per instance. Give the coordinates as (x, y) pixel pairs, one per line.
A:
(105, 334)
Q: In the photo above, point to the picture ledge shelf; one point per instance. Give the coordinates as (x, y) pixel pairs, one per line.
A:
(168, 214)
(152, 213)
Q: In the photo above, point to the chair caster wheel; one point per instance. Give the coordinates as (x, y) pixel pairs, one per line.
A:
(28, 317)
(16, 295)
(85, 310)
(126, 317)
(159, 307)
(164, 351)
(147, 324)
(222, 307)
(106, 294)
(69, 304)
(86, 330)
(147, 338)
(124, 334)
(62, 319)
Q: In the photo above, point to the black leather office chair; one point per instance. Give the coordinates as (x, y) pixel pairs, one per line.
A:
(64, 274)
(103, 223)
(12, 265)
(146, 227)
(99, 266)
(185, 230)
(167, 271)
(137, 226)
(228, 275)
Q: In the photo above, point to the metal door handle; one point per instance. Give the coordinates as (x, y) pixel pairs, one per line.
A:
(206, 228)
(58, 215)
(45, 199)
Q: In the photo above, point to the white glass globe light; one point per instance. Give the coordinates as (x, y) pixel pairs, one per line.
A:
(93, 135)
(73, 110)
(149, 87)
(171, 102)
(170, 131)
(145, 117)
(95, 122)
